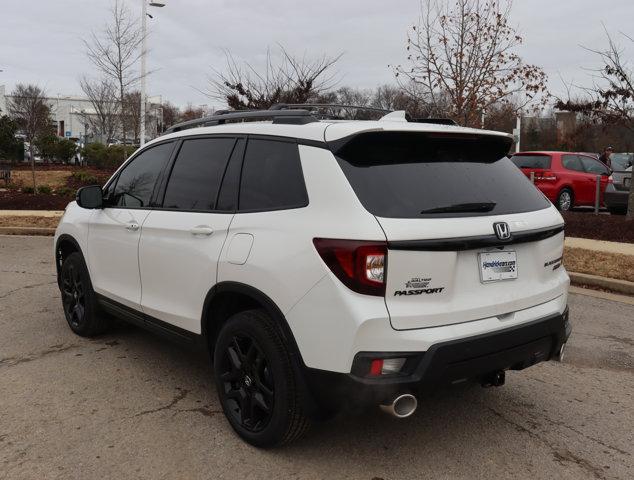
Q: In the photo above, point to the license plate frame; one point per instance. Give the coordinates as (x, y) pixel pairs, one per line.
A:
(497, 266)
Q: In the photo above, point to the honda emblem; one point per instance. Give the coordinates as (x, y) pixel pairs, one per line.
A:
(502, 230)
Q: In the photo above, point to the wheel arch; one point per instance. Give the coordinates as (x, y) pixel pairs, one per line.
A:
(64, 246)
(228, 298)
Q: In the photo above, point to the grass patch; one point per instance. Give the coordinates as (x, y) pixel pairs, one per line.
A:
(22, 221)
(610, 265)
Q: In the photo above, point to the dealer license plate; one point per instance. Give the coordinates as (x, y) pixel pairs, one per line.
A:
(497, 266)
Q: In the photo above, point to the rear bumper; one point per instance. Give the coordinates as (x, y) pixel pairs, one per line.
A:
(615, 198)
(454, 361)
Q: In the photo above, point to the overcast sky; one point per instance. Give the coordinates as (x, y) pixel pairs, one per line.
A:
(41, 40)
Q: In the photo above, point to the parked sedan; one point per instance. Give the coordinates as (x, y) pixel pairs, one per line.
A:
(616, 193)
(567, 179)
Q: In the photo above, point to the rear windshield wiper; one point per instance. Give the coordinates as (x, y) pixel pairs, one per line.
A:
(463, 207)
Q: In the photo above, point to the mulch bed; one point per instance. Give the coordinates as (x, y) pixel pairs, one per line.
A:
(613, 228)
(27, 201)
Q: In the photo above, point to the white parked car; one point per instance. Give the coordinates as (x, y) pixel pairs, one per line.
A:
(324, 264)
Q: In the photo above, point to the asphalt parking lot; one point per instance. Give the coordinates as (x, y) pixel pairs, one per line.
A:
(132, 405)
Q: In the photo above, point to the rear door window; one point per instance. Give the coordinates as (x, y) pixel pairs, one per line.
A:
(272, 177)
(417, 175)
(532, 161)
(197, 172)
(572, 162)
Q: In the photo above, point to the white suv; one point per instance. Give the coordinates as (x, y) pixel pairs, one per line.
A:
(324, 264)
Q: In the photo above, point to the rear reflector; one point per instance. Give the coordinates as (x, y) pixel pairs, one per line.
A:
(359, 265)
(386, 366)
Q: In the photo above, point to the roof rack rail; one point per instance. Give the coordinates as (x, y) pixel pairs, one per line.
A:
(287, 106)
(295, 117)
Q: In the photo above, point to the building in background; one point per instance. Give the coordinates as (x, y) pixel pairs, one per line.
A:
(70, 115)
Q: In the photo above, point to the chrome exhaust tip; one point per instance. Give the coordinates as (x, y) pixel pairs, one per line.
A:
(402, 406)
(561, 353)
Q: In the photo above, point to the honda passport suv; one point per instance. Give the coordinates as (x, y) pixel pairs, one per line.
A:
(326, 265)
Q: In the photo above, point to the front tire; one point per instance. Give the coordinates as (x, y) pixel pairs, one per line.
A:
(565, 200)
(78, 298)
(256, 383)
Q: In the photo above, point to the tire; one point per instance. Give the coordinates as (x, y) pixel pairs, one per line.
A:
(256, 383)
(565, 200)
(78, 298)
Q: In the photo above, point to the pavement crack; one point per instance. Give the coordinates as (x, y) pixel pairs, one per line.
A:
(180, 395)
(26, 287)
(559, 455)
(12, 361)
(207, 412)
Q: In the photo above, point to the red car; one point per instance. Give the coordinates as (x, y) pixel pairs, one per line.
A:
(567, 179)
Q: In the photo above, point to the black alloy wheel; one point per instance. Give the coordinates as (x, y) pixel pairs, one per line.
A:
(257, 381)
(73, 297)
(248, 383)
(78, 298)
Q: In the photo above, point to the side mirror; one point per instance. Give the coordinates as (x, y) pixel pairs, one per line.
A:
(90, 197)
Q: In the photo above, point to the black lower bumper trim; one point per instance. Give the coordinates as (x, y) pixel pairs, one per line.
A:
(472, 358)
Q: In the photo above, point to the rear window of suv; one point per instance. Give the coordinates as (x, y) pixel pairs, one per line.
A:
(532, 161)
(419, 175)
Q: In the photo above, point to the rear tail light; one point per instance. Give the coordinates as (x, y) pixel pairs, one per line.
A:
(360, 265)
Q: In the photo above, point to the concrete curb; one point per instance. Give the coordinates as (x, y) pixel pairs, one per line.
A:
(27, 231)
(612, 284)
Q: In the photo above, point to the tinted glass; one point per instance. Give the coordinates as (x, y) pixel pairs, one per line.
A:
(228, 197)
(572, 162)
(136, 182)
(594, 166)
(405, 175)
(197, 173)
(272, 177)
(531, 161)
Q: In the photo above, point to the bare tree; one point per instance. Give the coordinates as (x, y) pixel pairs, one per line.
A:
(28, 108)
(463, 53)
(171, 115)
(132, 118)
(104, 100)
(116, 51)
(283, 79)
(191, 113)
(610, 101)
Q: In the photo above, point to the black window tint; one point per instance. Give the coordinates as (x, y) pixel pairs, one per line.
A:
(593, 166)
(531, 161)
(412, 175)
(136, 182)
(272, 177)
(228, 197)
(572, 162)
(197, 173)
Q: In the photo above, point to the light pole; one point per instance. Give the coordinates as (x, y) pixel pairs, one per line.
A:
(144, 16)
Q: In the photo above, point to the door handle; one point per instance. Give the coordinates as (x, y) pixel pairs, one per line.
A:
(132, 227)
(201, 230)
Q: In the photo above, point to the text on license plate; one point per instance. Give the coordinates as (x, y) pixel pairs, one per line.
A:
(496, 266)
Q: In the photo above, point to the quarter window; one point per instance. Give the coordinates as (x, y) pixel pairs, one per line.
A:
(272, 177)
(197, 173)
(136, 181)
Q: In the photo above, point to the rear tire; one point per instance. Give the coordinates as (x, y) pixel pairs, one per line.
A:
(256, 383)
(78, 298)
(565, 200)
